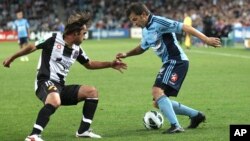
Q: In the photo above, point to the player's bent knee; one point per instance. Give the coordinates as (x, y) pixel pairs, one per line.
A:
(157, 92)
(53, 99)
(55, 104)
(89, 92)
(93, 93)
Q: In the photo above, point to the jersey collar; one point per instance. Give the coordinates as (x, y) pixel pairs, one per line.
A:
(150, 17)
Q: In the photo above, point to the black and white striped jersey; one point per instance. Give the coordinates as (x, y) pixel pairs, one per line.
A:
(56, 58)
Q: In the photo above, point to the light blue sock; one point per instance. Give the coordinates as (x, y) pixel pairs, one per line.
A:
(165, 105)
(181, 109)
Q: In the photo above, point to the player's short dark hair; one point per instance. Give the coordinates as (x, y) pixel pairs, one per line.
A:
(18, 10)
(138, 8)
(76, 21)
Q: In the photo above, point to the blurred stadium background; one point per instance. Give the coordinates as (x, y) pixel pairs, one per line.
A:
(227, 19)
(217, 83)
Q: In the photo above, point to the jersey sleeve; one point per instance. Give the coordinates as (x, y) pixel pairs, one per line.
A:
(167, 25)
(27, 24)
(14, 25)
(82, 58)
(45, 44)
(144, 44)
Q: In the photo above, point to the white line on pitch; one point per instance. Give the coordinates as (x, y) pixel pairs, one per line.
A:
(221, 54)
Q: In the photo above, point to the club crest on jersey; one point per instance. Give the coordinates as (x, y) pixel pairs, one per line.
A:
(76, 53)
(174, 77)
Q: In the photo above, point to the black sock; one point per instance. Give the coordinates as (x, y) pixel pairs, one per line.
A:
(89, 109)
(43, 118)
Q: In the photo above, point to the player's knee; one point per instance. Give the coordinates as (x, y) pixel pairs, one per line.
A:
(54, 100)
(157, 92)
(92, 92)
(55, 104)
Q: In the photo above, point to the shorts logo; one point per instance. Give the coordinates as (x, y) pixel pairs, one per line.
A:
(52, 88)
(174, 77)
(162, 69)
(160, 72)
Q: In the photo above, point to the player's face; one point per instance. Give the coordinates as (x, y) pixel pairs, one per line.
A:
(19, 15)
(81, 36)
(138, 20)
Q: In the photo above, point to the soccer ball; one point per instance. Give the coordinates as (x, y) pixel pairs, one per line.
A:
(153, 120)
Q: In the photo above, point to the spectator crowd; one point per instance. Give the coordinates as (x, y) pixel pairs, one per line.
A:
(213, 17)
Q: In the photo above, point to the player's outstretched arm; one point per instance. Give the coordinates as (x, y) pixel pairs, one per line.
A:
(116, 64)
(24, 51)
(212, 41)
(119, 65)
(136, 51)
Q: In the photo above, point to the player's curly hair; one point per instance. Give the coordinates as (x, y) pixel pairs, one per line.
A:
(76, 20)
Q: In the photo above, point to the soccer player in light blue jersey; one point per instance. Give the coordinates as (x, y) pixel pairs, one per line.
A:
(22, 26)
(158, 33)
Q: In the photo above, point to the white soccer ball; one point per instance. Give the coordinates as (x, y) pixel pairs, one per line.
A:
(153, 120)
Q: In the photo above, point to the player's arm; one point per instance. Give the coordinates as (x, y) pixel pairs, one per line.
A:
(136, 51)
(24, 51)
(28, 28)
(118, 65)
(14, 29)
(213, 41)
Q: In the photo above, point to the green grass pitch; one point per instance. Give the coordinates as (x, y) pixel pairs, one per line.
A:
(217, 83)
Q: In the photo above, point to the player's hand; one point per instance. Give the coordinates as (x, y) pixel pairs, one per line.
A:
(119, 65)
(212, 41)
(7, 62)
(121, 55)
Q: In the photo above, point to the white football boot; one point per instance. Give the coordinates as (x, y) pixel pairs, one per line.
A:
(22, 59)
(87, 134)
(34, 138)
(26, 58)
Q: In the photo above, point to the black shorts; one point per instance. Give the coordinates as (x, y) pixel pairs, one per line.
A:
(23, 40)
(68, 93)
(171, 76)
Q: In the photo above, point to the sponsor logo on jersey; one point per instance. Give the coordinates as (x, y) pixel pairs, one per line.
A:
(64, 65)
(75, 55)
(58, 46)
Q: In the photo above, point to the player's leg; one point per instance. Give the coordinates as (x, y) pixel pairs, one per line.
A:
(181, 109)
(187, 41)
(48, 92)
(172, 83)
(20, 43)
(24, 44)
(171, 89)
(168, 83)
(73, 94)
(196, 116)
(165, 105)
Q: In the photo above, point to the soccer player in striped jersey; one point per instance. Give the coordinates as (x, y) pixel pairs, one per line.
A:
(22, 26)
(59, 52)
(158, 33)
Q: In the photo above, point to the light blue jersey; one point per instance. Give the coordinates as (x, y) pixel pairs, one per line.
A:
(21, 26)
(159, 34)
